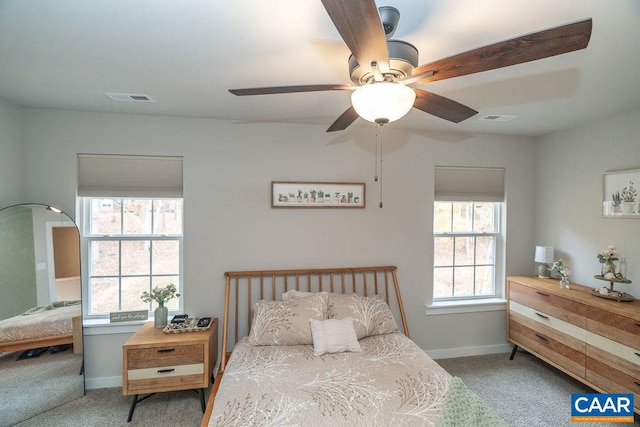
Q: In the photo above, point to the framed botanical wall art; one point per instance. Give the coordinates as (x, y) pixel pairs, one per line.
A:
(620, 194)
(300, 194)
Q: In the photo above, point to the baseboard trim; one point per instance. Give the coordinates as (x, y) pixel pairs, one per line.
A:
(469, 351)
(103, 382)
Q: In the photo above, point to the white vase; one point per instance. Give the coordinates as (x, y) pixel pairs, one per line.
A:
(628, 207)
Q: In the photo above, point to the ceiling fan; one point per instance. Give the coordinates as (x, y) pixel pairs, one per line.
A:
(383, 68)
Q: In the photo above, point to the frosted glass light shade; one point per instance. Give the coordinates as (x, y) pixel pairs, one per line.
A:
(383, 101)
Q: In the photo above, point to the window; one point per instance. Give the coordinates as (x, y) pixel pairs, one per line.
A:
(133, 245)
(466, 237)
(467, 234)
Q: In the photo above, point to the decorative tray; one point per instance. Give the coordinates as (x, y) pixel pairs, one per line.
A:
(189, 325)
(614, 295)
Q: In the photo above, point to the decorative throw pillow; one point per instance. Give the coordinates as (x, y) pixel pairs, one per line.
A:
(292, 294)
(286, 322)
(371, 316)
(333, 336)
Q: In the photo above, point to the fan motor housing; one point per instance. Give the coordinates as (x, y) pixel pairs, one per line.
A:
(403, 58)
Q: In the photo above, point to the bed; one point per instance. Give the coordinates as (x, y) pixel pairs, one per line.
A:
(322, 347)
(50, 325)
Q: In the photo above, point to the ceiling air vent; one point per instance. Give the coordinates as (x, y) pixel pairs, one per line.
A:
(131, 97)
(498, 118)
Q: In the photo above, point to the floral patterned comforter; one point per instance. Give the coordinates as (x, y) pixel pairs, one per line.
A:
(391, 382)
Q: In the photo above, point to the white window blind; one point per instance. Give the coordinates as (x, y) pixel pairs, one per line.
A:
(129, 176)
(454, 183)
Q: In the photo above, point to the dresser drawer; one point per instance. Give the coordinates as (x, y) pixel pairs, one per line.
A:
(550, 345)
(624, 359)
(561, 308)
(611, 380)
(153, 357)
(619, 328)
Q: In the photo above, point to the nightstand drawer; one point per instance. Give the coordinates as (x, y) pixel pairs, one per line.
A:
(153, 357)
(166, 371)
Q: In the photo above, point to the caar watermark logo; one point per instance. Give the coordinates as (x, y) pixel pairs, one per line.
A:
(612, 408)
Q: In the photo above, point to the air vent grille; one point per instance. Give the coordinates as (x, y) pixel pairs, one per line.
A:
(498, 118)
(129, 97)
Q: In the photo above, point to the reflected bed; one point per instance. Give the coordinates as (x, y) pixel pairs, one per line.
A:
(43, 326)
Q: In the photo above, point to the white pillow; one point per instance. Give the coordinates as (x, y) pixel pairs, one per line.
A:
(333, 336)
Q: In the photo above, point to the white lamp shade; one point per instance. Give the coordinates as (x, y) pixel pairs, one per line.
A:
(544, 254)
(383, 101)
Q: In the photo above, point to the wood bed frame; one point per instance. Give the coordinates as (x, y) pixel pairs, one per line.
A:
(74, 338)
(243, 288)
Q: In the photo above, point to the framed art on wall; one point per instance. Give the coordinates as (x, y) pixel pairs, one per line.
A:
(300, 194)
(620, 194)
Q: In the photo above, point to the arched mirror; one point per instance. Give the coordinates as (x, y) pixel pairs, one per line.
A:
(41, 356)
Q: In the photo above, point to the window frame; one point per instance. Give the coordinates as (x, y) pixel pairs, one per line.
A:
(498, 255)
(88, 237)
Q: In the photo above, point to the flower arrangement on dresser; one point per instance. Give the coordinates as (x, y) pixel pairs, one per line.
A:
(608, 273)
(562, 268)
(607, 258)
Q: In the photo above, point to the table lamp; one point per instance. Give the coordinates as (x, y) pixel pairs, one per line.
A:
(544, 255)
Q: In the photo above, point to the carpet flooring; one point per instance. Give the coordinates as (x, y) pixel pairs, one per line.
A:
(525, 392)
(45, 382)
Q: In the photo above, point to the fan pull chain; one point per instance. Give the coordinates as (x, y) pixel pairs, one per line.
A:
(380, 165)
(375, 162)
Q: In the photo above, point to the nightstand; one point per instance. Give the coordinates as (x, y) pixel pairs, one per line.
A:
(154, 362)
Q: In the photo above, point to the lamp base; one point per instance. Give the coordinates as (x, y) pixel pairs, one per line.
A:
(543, 271)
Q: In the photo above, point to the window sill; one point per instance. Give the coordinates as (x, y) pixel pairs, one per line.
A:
(467, 306)
(104, 327)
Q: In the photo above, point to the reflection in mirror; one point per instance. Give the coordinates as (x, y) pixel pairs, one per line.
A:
(41, 360)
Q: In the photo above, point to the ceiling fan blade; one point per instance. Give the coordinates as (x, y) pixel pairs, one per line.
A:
(530, 47)
(287, 89)
(442, 107)
(345, 119)
(359, 25)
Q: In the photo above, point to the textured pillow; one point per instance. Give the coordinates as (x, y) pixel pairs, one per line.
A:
(333, 336)
(371, 316)
(292, 294)
(286, 322)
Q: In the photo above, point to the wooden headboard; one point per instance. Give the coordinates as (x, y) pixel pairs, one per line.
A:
(243, 288)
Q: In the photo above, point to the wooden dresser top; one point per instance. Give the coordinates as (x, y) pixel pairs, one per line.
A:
(582, 294)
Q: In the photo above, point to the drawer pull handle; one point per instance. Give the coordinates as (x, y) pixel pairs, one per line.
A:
(164, 371)
(542, 315)
(638, 324)
(542, 293)
(637, 383)
(542, 337)
(166, 350)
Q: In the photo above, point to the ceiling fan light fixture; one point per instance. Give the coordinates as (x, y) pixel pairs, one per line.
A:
(383, 102)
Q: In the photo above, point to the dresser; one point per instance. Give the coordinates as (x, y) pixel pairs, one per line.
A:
(153, 361)
(595, 340)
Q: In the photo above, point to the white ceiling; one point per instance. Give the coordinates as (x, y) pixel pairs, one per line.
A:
(185, 54)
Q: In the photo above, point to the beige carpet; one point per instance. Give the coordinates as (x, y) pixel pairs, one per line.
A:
(30, 385)
(525, 392)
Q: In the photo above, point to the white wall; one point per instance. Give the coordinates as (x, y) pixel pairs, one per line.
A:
(11, 160)
(569, 172)
(229, 224)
